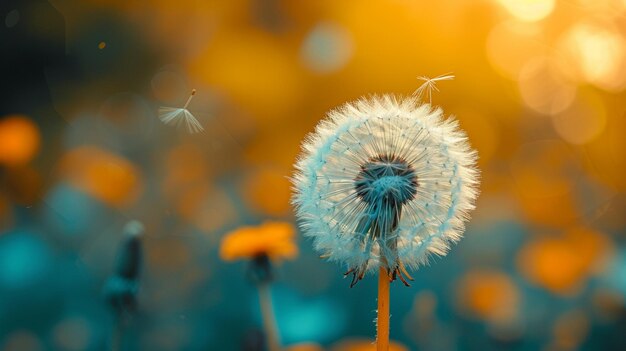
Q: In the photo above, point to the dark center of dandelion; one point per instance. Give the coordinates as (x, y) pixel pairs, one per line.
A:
(388, 179)
(384, 183)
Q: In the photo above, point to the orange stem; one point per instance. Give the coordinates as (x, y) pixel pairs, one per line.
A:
(382, 325)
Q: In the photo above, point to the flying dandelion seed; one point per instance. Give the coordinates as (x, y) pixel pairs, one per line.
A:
(385, 183)
(430, 84)
(172, 115)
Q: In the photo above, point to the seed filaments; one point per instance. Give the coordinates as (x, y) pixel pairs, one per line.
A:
(385, 183)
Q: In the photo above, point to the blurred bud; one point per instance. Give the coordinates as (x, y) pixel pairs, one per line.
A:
(120, 290)
(129, 259)
(121, 294)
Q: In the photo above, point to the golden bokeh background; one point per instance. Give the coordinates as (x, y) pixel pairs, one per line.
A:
(539, 87)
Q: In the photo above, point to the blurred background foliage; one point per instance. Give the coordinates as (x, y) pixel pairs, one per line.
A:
(539, 89)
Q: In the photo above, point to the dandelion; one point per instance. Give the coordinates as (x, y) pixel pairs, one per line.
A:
(384, 183)
(430, 84)
(260, 245)
(173, 115)
(120, 290)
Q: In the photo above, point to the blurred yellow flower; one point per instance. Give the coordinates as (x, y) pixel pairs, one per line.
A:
(274, 239)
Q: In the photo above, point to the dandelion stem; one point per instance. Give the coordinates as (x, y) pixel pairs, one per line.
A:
(269, 321)
(382, 324)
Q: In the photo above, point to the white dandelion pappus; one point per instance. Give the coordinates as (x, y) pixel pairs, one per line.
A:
(430, 84)
(385, 182)
(173, 115)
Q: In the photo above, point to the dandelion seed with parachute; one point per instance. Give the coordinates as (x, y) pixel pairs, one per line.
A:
(176, 116)
(430, 84)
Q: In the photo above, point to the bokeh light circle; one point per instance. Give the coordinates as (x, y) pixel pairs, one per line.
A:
(24, 260)
(583, 121)
(529, 10)
(595, 52)
(542, 89)
(508, 59)
(19, 140)
(327, 48)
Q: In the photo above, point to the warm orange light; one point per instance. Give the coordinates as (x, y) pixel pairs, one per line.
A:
(597, 54)
(540, 169)
(26, 184)
(543, 182)
(607, 153)
(594, 248)
(508, 59)
(554, 211)
(255, 71)
(553, 264)
(543, 89)
(583, 121)
(529, 10)
(106, 176)
(268, 191)
(489, 295)
(274, 239)
(482, 131)
(19, 140)
(562, 264)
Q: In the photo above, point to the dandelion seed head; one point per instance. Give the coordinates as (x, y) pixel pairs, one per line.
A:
(385, 181)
